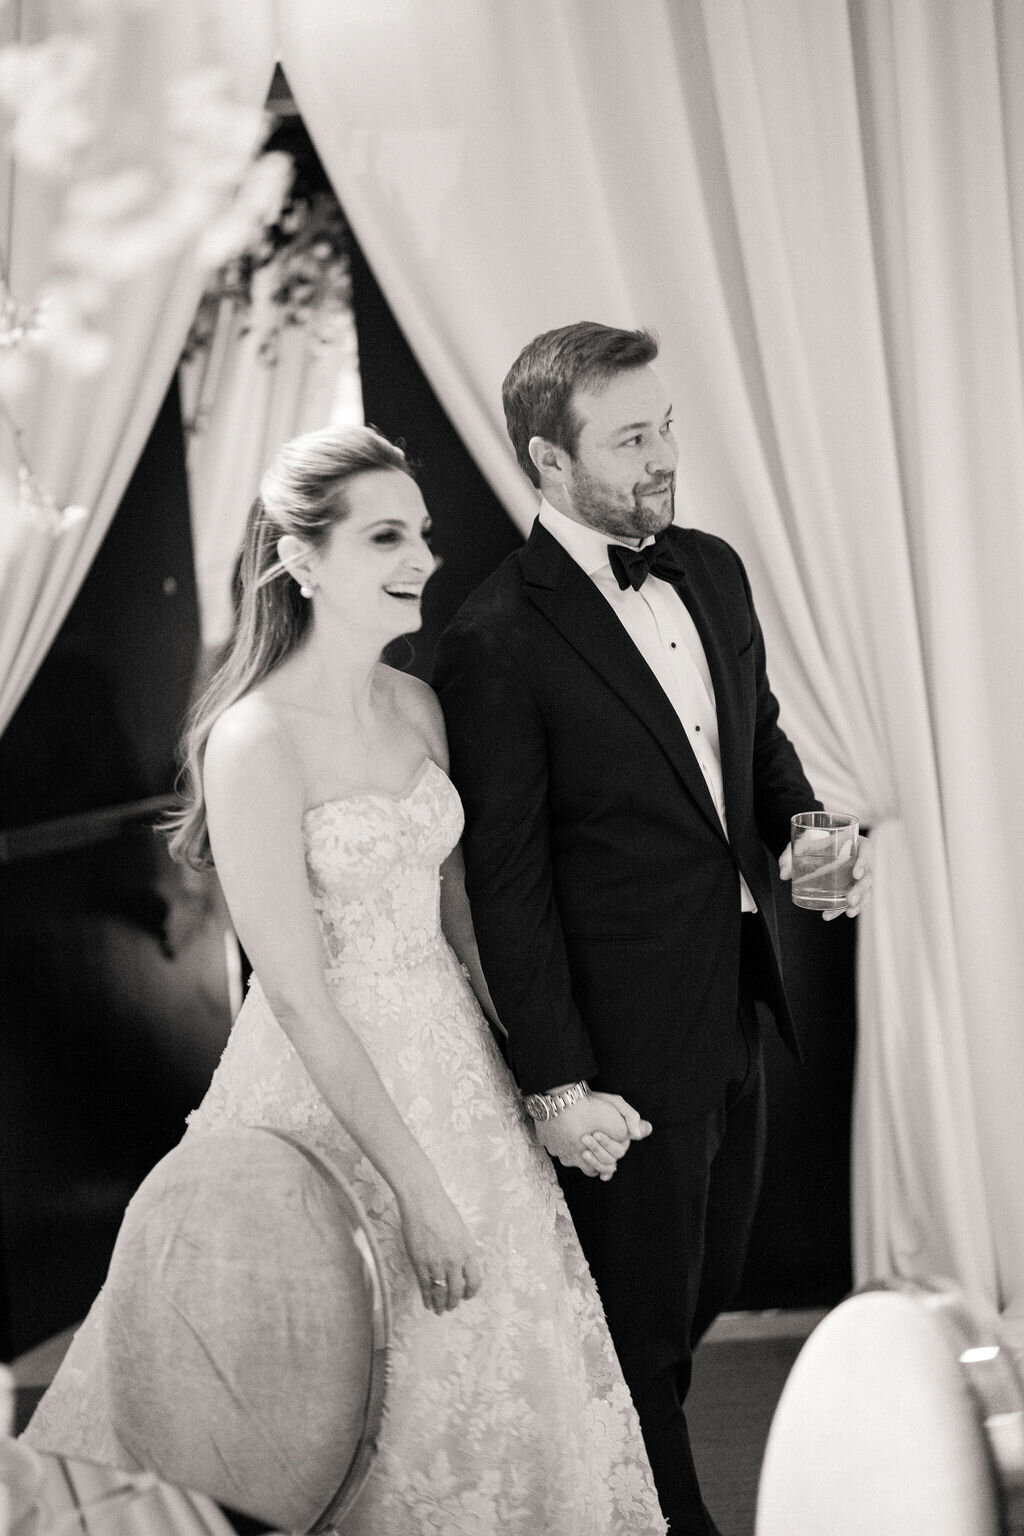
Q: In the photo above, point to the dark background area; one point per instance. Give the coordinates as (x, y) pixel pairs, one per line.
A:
(114, 997)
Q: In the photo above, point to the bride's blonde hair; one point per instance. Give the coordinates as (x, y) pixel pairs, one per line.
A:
(302, 493)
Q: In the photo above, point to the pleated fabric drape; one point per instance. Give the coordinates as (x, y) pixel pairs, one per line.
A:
(818, 204)
(240, 407)
(83, 436)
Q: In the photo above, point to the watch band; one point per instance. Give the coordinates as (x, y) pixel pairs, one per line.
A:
(545, 1106)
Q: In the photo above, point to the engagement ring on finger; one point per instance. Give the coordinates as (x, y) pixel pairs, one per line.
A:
(442, 1283)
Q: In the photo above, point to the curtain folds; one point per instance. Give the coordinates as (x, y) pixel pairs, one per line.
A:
(83, 437)
(238, 408)
(818, 204)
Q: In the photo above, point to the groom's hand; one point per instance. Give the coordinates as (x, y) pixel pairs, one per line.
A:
(863, 879)
(593, 1134)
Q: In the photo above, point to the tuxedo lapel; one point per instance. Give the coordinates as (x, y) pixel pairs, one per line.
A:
(557, 586)
(701, 598)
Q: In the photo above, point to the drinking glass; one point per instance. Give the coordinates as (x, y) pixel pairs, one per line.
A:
(824, 845)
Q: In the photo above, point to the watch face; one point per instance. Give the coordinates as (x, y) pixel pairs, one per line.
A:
(536, 1106)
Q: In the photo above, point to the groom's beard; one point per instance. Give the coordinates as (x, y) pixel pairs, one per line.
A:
(645, 509)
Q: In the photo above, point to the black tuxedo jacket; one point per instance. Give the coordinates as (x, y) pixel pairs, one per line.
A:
(604, 890)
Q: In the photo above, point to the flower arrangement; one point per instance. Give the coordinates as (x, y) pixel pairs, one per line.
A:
(296, 272)
(136, 180)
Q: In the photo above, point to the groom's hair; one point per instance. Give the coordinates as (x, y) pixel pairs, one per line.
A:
(538, 390)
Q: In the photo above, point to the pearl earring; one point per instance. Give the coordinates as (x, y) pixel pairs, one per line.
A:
(305, 591)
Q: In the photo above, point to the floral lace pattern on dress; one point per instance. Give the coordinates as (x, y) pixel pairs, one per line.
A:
(509, 1414)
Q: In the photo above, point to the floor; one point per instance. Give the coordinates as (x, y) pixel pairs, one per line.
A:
(739, 1374)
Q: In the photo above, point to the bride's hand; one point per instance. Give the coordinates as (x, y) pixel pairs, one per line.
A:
(442, 1252)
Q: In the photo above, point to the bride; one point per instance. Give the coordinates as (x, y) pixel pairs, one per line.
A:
(315, 781)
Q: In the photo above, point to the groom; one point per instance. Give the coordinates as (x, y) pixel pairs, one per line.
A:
(617, 748)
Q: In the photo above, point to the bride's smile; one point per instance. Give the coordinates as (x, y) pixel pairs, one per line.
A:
(370, 574)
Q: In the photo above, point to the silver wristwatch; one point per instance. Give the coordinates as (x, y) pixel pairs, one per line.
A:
(545, 1106)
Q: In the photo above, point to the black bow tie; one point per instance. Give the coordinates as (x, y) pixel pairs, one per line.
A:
(633, 566)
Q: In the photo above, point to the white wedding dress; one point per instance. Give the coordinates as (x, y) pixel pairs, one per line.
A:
(509, 1414)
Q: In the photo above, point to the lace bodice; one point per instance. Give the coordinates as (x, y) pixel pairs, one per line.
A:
(373, 860)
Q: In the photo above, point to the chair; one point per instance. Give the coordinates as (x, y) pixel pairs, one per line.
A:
(903, 1415)
(247, 1326)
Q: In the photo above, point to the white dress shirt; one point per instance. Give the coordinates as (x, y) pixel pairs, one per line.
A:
(660, 626)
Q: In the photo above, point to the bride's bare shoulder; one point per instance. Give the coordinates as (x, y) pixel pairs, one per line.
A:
(418, 705)
(407, 690)
(253, 735)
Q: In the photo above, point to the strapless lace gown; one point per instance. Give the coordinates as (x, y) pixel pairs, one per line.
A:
(509, 1414)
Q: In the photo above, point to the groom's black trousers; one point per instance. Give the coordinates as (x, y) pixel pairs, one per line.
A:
(666, 1238)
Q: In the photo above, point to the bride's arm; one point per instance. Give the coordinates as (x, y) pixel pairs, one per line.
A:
(254, 802)
(457, 922)
(423, 710)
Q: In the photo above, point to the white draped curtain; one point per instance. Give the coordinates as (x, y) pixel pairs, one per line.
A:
(239, 406)
(83, 436)
(819, 206)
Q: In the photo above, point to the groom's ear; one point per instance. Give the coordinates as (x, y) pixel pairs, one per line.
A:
(548, 458)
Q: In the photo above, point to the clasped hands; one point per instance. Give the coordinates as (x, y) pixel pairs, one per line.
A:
(593, 1134)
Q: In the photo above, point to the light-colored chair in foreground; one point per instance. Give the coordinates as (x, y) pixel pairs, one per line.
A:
(903, 1415)
(247, 1328)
